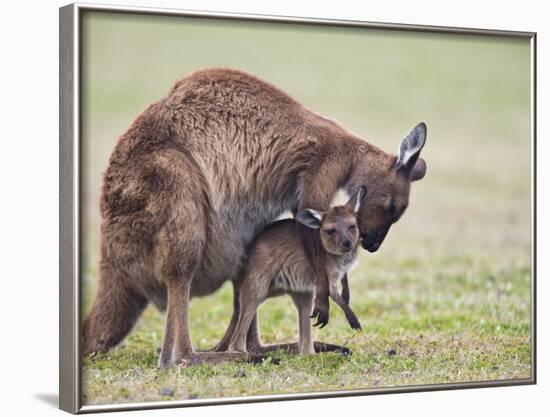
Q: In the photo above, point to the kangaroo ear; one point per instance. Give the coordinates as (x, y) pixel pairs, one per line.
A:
(310, 218)
(418, 170)
(409, 151)
(356, 199)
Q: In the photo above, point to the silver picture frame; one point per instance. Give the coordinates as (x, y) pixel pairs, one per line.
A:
(70, 51)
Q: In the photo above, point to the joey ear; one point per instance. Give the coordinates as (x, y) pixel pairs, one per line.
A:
(410, 148)
(356, 199)
(310, 218)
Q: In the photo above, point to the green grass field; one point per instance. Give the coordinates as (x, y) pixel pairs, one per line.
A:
(446, 298)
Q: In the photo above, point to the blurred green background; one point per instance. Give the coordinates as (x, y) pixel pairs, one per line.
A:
(449, 291)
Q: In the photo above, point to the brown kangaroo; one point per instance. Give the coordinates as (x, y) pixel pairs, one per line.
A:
(200, 173)
(277, 264)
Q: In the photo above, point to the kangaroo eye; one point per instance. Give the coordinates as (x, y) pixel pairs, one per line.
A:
(330, 232)
(352, 227)
(392, 209)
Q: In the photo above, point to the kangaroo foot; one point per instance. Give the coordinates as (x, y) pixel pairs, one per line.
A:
(329, 347)
(197, 358)
(292, 348)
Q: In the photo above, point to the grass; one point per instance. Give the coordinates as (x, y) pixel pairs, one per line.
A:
(447, 297)
(418, 329)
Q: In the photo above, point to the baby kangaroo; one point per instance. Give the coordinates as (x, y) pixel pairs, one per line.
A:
(277, 264)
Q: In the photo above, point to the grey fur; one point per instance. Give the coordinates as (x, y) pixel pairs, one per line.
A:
(277, 264)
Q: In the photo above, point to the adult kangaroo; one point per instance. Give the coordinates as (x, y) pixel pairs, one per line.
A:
(200, 173)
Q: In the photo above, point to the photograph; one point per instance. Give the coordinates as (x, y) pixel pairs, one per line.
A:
(276, 208)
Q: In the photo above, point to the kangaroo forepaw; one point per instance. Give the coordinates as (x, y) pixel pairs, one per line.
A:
(353, 320)
(354, 323)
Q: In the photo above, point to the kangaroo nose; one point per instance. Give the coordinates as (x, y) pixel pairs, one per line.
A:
(346, 245)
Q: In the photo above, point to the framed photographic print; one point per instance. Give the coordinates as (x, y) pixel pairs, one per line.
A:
(258, 208)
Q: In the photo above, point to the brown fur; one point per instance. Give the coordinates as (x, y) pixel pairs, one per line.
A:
(196, 177)
(277, 264)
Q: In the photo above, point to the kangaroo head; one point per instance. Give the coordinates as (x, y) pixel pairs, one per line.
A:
(339, 229)
(388, 180)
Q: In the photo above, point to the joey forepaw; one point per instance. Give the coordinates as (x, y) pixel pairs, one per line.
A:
(322, 316)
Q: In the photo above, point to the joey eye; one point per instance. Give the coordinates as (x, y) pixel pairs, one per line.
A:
(330, 232)
(352, 227)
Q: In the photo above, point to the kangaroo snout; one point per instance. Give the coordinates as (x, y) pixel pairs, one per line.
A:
(371, 241)
(371, 247)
